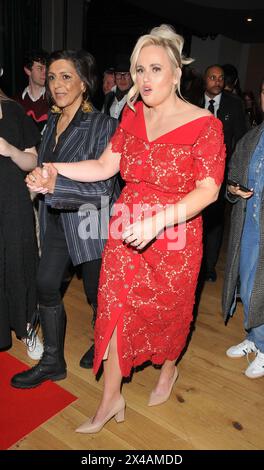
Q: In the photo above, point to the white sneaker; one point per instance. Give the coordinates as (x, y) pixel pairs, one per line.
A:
(34, 346)
(256, 368)
(241, 349)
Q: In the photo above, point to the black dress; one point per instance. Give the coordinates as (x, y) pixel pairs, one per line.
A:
(18, 246)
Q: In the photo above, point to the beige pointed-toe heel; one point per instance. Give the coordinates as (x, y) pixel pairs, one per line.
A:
(117, 412)
(120, 416)
(157, 399)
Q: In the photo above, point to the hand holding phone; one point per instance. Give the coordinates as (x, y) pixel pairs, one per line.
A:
(241, 187)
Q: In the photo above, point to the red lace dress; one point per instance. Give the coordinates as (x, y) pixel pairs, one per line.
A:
(149, 295)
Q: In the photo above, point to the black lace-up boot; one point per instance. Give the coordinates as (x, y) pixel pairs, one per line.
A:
(52, 365)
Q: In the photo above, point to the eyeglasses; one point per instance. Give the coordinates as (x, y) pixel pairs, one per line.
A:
(122, 75)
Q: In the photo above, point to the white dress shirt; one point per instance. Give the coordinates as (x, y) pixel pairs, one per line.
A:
(27, 91)
(117, 107)
(216, 99)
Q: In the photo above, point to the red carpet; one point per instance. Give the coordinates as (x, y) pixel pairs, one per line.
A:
(21, 411)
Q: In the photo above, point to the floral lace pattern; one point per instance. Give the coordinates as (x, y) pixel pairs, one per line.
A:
(149, 296)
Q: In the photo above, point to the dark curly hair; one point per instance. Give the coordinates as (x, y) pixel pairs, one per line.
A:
(85, 66)
(35, 55)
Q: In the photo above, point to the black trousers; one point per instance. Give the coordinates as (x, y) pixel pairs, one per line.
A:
(55, 262)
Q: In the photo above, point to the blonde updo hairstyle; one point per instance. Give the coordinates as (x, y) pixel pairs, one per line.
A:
(163, 36)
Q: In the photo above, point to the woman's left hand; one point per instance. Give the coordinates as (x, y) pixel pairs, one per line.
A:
(236, 191)
(5, 148)
(142, 232)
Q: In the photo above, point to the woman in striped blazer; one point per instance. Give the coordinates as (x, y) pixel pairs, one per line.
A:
(69, 233)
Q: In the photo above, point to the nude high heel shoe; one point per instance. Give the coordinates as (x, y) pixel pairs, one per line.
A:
(157, 399)
(118, 412)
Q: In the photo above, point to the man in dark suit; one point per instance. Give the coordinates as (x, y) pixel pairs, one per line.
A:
(230, 110)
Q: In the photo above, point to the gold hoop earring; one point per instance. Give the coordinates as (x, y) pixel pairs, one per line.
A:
(87, 106)
(55, 109)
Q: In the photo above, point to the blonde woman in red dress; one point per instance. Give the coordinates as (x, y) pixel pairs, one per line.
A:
(171, 155)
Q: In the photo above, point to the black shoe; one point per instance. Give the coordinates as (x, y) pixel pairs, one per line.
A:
(37, 375)
(87, 360)
(211, 276)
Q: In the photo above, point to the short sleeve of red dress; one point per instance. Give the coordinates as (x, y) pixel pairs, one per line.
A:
(209, 152)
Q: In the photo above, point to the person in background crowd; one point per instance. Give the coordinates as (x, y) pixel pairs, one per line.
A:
(18, 246)
(171, 155)
(192, 85)
(245, 255)
(253, 112)
(108, 80)
(115, 101)
(230, 110)
(232, 84)
(33, 98)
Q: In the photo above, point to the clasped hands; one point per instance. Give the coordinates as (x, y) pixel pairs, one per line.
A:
(42, 180)
(138, 235)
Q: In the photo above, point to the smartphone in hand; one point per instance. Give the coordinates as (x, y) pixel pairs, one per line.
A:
(241, 187)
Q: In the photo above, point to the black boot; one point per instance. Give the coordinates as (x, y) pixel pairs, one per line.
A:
(52, 365)
(87, 360)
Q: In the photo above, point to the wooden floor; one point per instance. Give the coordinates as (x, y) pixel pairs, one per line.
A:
(213, 404)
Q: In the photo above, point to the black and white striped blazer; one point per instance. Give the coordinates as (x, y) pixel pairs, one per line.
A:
(86, 141)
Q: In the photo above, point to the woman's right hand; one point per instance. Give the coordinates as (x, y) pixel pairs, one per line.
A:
(49, 174)
(42, 180)
(236, 191)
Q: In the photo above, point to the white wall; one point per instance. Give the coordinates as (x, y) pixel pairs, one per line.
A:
(221, 50)
(247, 58)
(205, 52)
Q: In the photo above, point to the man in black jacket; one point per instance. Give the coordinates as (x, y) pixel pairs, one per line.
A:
(230, 110)
(115, 101)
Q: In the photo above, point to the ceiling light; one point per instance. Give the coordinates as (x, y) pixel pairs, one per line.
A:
(249, 20)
